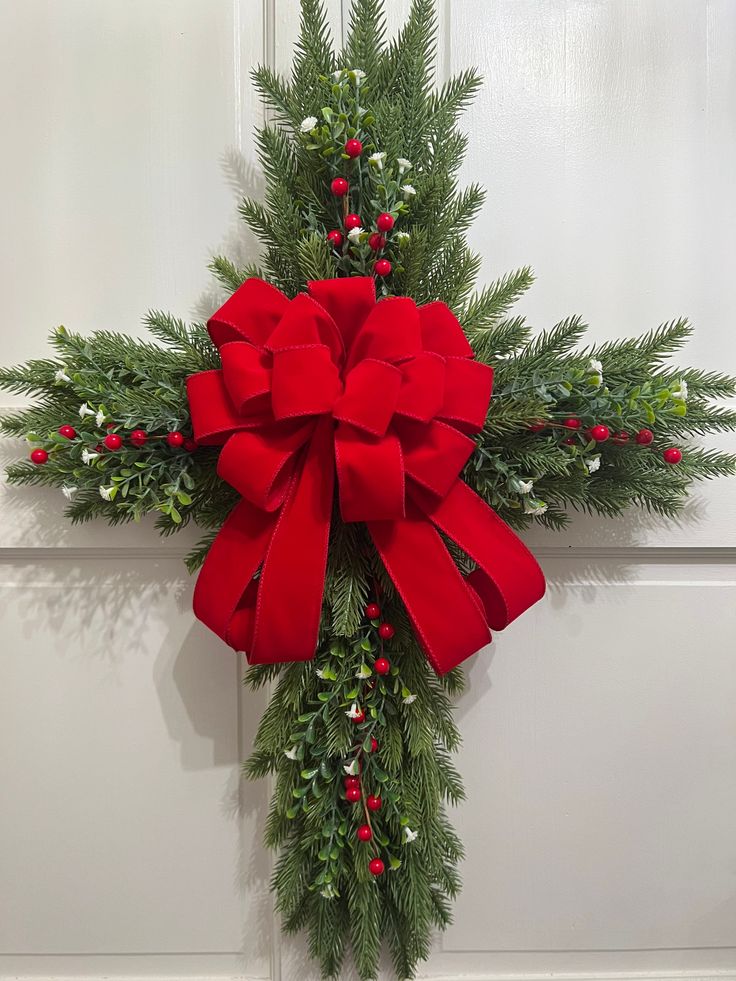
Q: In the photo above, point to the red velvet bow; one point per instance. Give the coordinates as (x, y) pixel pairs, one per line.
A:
(383, 395)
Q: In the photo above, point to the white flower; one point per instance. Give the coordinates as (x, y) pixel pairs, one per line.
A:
(377, 159)
(100, 417)
(354, 235)
(61, 376)
(408, 190)
(88, 457)
(106, 493)
(404, 164)
(320, 673)
(354, 712)
(84, 410)
(524, 486)
(534, 506)
(410, 835)
(408, 699)
(338, 74)
(308, 124)
(595, 366)
(69, 492)
(594, 463)
(403, 236)
(358, 73)
(363, 671)
(680, 393)
(291, 754)
(352, 768)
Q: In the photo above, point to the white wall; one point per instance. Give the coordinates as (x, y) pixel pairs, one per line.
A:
(600, 731)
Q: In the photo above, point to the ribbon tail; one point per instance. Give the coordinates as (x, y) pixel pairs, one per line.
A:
(508, 579)
(291, 585)
(226, 579)
(446, 613)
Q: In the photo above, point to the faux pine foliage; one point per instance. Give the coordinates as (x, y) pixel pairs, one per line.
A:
(528, 465)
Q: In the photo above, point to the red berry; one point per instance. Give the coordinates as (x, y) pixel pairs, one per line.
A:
(67, 431)
(600, 433)
(352, 221)
(189, 444)
(373, 611)
(537, 427)
(351, 782)
(175, 439)
(364, 832)
(382, 665)
(572, 423)
(376, 866)
(39, 456)
(385, 222)
(569, 441)
(672, 455)
(112, 441)
(644, 437)
(386, 631)
(382, 267)
(376, 241)
(138, 437)
(339, 187)
(335, 239)
(373, 803)
(621, 438)
(374, 744)
(360, 717)
(352, 794)
(353, 148)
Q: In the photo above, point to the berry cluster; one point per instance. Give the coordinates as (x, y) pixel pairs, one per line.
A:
(384, 223)
(354, 791)
(114, 441)
(600, 433)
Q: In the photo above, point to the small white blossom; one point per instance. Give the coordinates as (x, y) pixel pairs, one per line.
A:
(358, 73)
(106, 493)
(408, 190)
(100, 417)
(410, 835)
(594, 463)
(595, 366)
(354, 235)
(88, 457)
(84, 410)
(363, 671)
(404, 164)
(354, 712)
(308, 124)
(534, 506)
(320, 673)
(61, 376)
(69, 492)
(291, 754)
(403, 236)
(377, 159)
(524, 486)
(680, 393)
(351, 769)
(338, 74)
(409, 699)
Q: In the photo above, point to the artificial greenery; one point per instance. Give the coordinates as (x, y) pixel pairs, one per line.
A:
(338, 717)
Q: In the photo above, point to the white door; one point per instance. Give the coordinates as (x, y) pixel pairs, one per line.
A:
(600, 731)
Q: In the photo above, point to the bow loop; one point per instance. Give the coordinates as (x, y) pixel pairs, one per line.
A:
(370, 397)
(305, 381)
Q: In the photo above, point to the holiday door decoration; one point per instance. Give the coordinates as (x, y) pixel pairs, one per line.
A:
(332, 431)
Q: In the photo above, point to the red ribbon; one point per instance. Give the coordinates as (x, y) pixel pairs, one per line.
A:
(383, 395)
